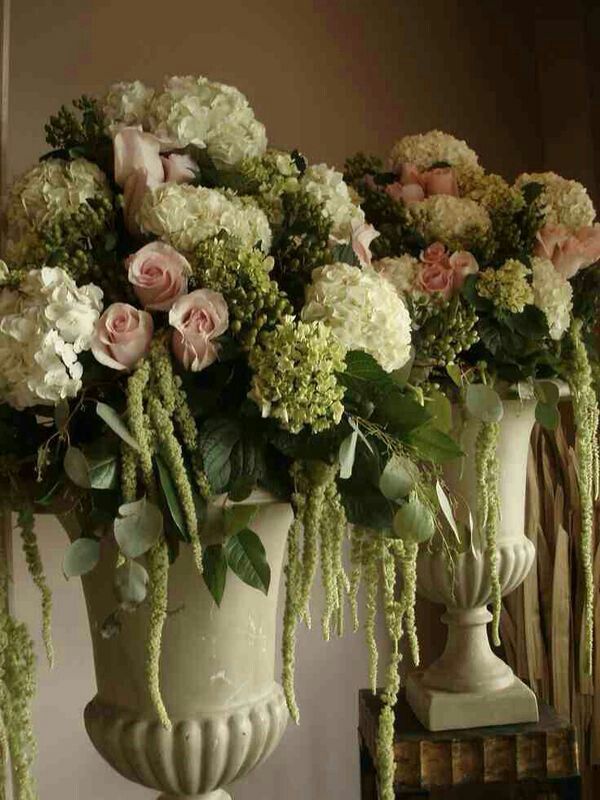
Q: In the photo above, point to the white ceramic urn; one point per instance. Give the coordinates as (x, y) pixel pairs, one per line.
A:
(469, 685)
(217, 673)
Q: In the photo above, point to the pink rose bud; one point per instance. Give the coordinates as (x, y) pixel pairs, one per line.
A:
(198, 318)
(435, 254)
(463, 263)
(122, 337)
(411, 193)
(441, 180)
(134, 151)
(133, 194)
(179, 168)
(362, 236)
(436, 278)
(569, 252)
(409, 174)
(159, 275)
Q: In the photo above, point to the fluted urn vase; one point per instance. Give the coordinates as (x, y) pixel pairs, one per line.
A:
(469, 685)
(217, 674)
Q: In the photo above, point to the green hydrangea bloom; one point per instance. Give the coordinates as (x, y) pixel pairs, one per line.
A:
(294, 379)
(507, 287)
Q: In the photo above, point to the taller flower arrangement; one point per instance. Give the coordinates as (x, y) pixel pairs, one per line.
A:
(186, 313)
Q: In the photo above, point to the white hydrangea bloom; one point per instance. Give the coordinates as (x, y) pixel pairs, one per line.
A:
(52, 188)
(185, 215)
(327, 186)
(43, 327)
(424, 150)
(553, 295)
(401, 272)
(126, 103)
(363, 310)
(194, 110)
(456, 221)
(564, 202)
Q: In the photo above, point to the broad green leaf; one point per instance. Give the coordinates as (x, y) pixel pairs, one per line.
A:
(414, 522)
(103, 470)
(76, 466)
(548, 415)
(81, 557)
(246, 557)
(241, 488)
(446, 508)
(172, 498)
(397, 479)
(114, 421)
(484, 403)
(138, 528)
(547, 392)
(454, 374)
(401, 414)
(432, 444)
(239, 517)
(440, 409)
(347, 454)
(402, 375)
(131, 583)
(217, 439)
(214, 573)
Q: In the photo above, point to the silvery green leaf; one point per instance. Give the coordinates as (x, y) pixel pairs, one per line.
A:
(81, 557)
(484, 403)
(114, 421)
(131, 583)
(548, 415)
(547, 392)
(76, 467)
(414, 522)
(347, 454)
(397, 479)
(138, 527)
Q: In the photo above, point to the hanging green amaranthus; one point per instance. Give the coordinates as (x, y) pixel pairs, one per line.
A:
(33, 560)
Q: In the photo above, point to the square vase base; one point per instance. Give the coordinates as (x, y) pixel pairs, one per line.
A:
(443, 711)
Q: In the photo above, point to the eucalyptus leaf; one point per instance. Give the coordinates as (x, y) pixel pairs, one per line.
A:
(76, 466)
(246, 557)
(238, 517)
(103, 469)
(414, 522)
(454, 374)
(131, 583)
(347, 454)
(138, 528)
(446, 508)
(114, 421)
(547, 392)
(214, 573)
(397, 479)
(484, 403)
(81, 557)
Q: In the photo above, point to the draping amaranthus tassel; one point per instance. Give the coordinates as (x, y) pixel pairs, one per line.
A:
(488, 510)
(585, 409)
(33, 559)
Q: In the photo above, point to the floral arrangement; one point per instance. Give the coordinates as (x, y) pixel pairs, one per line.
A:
(186, 313)
(501, 284)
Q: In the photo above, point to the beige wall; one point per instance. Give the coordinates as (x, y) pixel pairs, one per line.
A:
(331, 78)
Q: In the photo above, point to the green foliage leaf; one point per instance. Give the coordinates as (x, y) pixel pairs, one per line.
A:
(218, 436)
(547, 392)
(241, 488)
(246, 557)
(454, 374)
(431, 444)
(103, 465)
(170, 493)
(76, 466)
(131, 583)
(548, 415)
(347, 454)
(440, 408)
(81, 557)
(414, 522)
(114, 421)
(214, 573)
(366, 376)
(238, 517)
(138, 528)
(484, 403)
(397, 479)
(345, 253)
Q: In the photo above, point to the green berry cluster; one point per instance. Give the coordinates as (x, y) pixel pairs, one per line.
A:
(397, 234)
(243, 278)
(356, 167)
(445, 332)
(67, 129)
(295, 375)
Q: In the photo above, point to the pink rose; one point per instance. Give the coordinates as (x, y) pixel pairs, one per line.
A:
(122, 337)
(569, 252)
(463, 263)
(198, 318)
(436, 278)
(440, 180)
(549, 238)
(362, 236)
(411, 193)
(179, 168)
(136, 150)
(409, 174)
(159, 275)
(434, 254)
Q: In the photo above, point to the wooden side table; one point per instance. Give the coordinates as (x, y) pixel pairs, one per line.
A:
(533, 761)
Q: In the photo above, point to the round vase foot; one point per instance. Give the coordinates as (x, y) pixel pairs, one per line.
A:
(219, 794)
